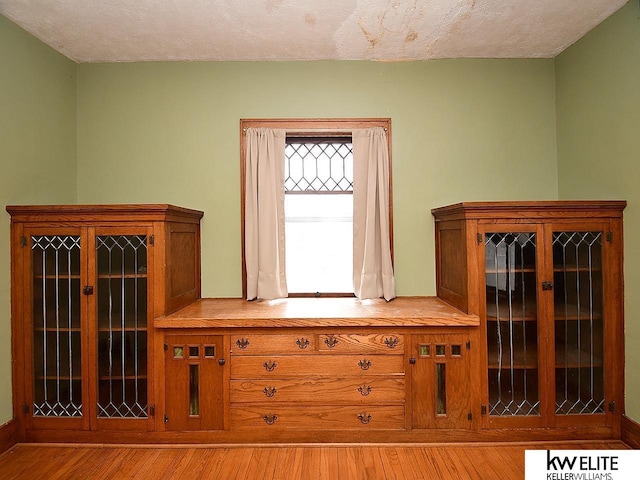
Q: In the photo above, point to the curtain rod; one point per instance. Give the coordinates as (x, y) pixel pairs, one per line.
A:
(315, 130)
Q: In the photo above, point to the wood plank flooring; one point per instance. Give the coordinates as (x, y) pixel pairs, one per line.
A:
(335, 462)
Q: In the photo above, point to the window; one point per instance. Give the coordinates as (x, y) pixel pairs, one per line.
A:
(318, 202)
(318, 209)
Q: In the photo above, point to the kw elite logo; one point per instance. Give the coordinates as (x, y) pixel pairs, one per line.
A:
(581, 467)
(581, 464)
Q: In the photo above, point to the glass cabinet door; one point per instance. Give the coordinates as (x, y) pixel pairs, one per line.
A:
(55, 320)
(512, 324)
(122, 305)
(578, 322)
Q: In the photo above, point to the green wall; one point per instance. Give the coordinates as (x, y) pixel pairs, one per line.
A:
(598, 116)
(461, 130)
(37, 151)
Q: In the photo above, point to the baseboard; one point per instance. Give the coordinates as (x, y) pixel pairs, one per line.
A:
(7, 436)
(630, 432)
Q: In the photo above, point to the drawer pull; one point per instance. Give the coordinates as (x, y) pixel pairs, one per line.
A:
(364, 364)
(391, 342)
(331, 341)
(364, 418)
(270, 418)
(270, 366)
(242, 343)
(302, 343)
(364, 390)
(269, 391)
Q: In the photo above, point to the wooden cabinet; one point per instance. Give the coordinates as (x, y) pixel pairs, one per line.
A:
(546, 280)
(87, 282)
(320, 380)
(442, 381)
(330, 369)
(193, 382)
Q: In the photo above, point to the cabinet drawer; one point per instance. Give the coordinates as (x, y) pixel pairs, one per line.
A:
(318, 417)
(271, 344)
(366, 390)
(361, 343)
(282, 366)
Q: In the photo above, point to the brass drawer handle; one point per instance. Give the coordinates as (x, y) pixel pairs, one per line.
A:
(270, 365)
(391, 342)
(270, 418)
(302, 343)
(242, 343)
(364, 364)
(331, 341)
(364, 390)
(364, 418)
(269, 391)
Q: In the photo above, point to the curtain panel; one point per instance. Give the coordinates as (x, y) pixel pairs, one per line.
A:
(264, 213)
(372, 268)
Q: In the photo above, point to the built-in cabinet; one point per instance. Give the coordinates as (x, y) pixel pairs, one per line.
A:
(112, 342)
(87, 282)
(325, 369)
(326, 381)
(546, 280)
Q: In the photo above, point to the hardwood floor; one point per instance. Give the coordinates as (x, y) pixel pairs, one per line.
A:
(435, 461)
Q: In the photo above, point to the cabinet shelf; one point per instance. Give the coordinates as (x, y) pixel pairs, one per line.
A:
(574, 269)
(61, 378)
(126, 276)
(501, 311)
(55, 329)
(60, 276)
(125, 329)
(509, 271)
(575, 358)
(572, 359)
(571, 312)
(520, 359)
(116, 378)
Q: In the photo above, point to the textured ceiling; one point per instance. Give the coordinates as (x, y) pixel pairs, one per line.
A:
(148, 30)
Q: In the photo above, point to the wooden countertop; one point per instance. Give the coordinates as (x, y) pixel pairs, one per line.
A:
(317, 312)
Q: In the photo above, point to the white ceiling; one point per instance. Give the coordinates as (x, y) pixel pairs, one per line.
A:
(254, 30)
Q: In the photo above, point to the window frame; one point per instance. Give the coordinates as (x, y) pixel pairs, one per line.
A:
(309, 127)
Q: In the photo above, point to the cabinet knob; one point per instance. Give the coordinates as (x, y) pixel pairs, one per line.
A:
(547, 286)
(88, 290)
(364, 390)
(364, 364)
(222, 361)
(364, 418)
(391, 342)
(270, 365)
(331, 341)
(270, 418)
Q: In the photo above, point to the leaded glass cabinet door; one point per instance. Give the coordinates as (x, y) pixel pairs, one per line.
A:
(511, 264)
(55, 344)
(579, 319)
(122, 305)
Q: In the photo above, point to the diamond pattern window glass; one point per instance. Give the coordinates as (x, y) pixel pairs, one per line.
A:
(318, 165)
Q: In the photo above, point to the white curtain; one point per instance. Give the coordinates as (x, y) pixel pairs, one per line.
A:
(372, 268)
(264, 213)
